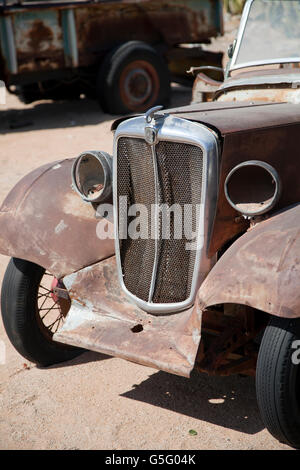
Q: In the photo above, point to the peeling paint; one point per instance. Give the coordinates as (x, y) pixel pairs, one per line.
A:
(196, 335)
(60, 227)
(34, 217)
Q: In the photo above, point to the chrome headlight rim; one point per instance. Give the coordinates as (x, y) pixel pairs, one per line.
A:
(105, 160)
(275, 177)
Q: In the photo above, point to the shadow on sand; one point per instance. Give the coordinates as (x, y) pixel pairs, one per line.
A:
(65, 114)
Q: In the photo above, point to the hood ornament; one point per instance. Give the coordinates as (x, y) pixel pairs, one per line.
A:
(151, 129)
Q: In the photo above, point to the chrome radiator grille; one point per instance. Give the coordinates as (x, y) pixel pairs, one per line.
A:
(159, 271)
(179, 182)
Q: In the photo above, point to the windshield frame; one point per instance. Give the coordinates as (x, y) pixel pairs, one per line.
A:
(240, 35)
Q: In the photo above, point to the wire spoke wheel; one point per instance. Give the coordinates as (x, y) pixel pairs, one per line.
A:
(32, 313)
(51, 310)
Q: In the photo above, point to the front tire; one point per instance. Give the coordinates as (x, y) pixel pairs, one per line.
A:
(278, 380)
(31, 314)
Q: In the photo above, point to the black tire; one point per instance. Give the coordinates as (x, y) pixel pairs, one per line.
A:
(278, 380)
(133, 78)
(50, 91)
(21, 316)
(28, 93)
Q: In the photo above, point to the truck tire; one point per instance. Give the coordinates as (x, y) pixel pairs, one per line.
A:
(24, 308)
(133, 78)
(278, 380)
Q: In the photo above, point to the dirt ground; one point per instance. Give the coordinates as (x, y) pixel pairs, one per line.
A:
(95, 401)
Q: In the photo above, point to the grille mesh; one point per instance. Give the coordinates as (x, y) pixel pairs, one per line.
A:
(180, 180)
(180, 175)
(136, 182)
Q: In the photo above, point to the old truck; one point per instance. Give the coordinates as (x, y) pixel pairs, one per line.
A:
(182, 251)
(124, 52)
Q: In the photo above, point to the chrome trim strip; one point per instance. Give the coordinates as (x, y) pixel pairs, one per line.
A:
(156, 189)
(178, 130)
(241, 31)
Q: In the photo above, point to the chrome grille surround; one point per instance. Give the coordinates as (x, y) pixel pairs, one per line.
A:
(177, 130)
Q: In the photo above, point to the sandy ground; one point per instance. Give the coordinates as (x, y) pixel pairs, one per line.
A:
(94, 401)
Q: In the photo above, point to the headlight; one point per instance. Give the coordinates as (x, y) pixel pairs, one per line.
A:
(253, 188)
(92, 176)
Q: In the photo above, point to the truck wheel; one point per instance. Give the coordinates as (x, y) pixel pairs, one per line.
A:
(31, 313)
(133, 78)
(278, 380)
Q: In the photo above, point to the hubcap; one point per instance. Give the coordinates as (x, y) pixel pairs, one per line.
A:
(139, 85)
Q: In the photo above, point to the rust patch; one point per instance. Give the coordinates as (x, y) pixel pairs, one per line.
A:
(38, 35)
(104, 320)
(260, 131)
(32, 228)
(261, 269)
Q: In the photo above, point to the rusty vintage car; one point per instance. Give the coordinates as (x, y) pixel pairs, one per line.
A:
(182, 251)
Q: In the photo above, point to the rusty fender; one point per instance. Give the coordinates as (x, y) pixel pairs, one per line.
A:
(44, 221)
(261, 269)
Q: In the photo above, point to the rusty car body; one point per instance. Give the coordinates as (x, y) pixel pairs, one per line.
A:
(59, 49)
(228, 304)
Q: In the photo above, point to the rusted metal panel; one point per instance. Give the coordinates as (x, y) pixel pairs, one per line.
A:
(262, 94)
(204, 88)
(280, 85)
(100, 29)
(270, 145)
(102, 319)
(52, 36)
(44, 221)
(261, 269)
(207, 113)
(38, 40)
(244, 116)
(112, 23)
(205, 84)
(271, 77)
(250, 131)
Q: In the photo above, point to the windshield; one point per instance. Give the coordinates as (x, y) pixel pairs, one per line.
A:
(269, 33)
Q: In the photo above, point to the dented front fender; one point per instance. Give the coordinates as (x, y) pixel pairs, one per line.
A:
(261, 269)
(44, 221)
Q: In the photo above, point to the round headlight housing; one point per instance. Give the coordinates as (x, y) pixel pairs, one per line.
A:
(253, 188)
(92, 176)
